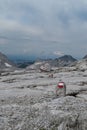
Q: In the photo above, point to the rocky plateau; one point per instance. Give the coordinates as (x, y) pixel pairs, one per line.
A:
(28, 99)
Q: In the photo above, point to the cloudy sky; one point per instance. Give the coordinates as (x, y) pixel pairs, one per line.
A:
(43, 27)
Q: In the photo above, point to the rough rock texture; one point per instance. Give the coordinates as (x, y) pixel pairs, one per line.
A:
(28, 101)
(66, 113)
(82, 65)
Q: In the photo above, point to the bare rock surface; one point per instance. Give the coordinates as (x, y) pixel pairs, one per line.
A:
(28, 101)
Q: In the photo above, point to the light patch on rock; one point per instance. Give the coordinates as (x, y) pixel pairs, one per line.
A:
(8, 65)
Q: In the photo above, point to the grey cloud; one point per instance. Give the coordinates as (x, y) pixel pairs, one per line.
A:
(62, 23)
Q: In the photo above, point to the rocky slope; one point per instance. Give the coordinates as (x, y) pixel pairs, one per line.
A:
(81, 64)
(5, 63)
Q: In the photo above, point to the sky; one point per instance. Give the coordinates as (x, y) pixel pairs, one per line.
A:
(43, 27)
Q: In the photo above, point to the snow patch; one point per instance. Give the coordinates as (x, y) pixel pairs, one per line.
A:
(8, 65)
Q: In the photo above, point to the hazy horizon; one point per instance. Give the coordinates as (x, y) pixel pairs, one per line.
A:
(34, 58)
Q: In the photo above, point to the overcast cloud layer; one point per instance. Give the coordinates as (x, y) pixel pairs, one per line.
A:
(43, 27)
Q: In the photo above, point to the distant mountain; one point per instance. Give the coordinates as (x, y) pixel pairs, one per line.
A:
(5, 62)
(62, 61)
(85, 57)
(24, 64)
(65, 60)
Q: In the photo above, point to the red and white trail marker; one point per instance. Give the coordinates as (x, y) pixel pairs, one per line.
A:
(61, 89)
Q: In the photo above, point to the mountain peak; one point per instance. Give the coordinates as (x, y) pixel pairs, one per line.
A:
(67, 58)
